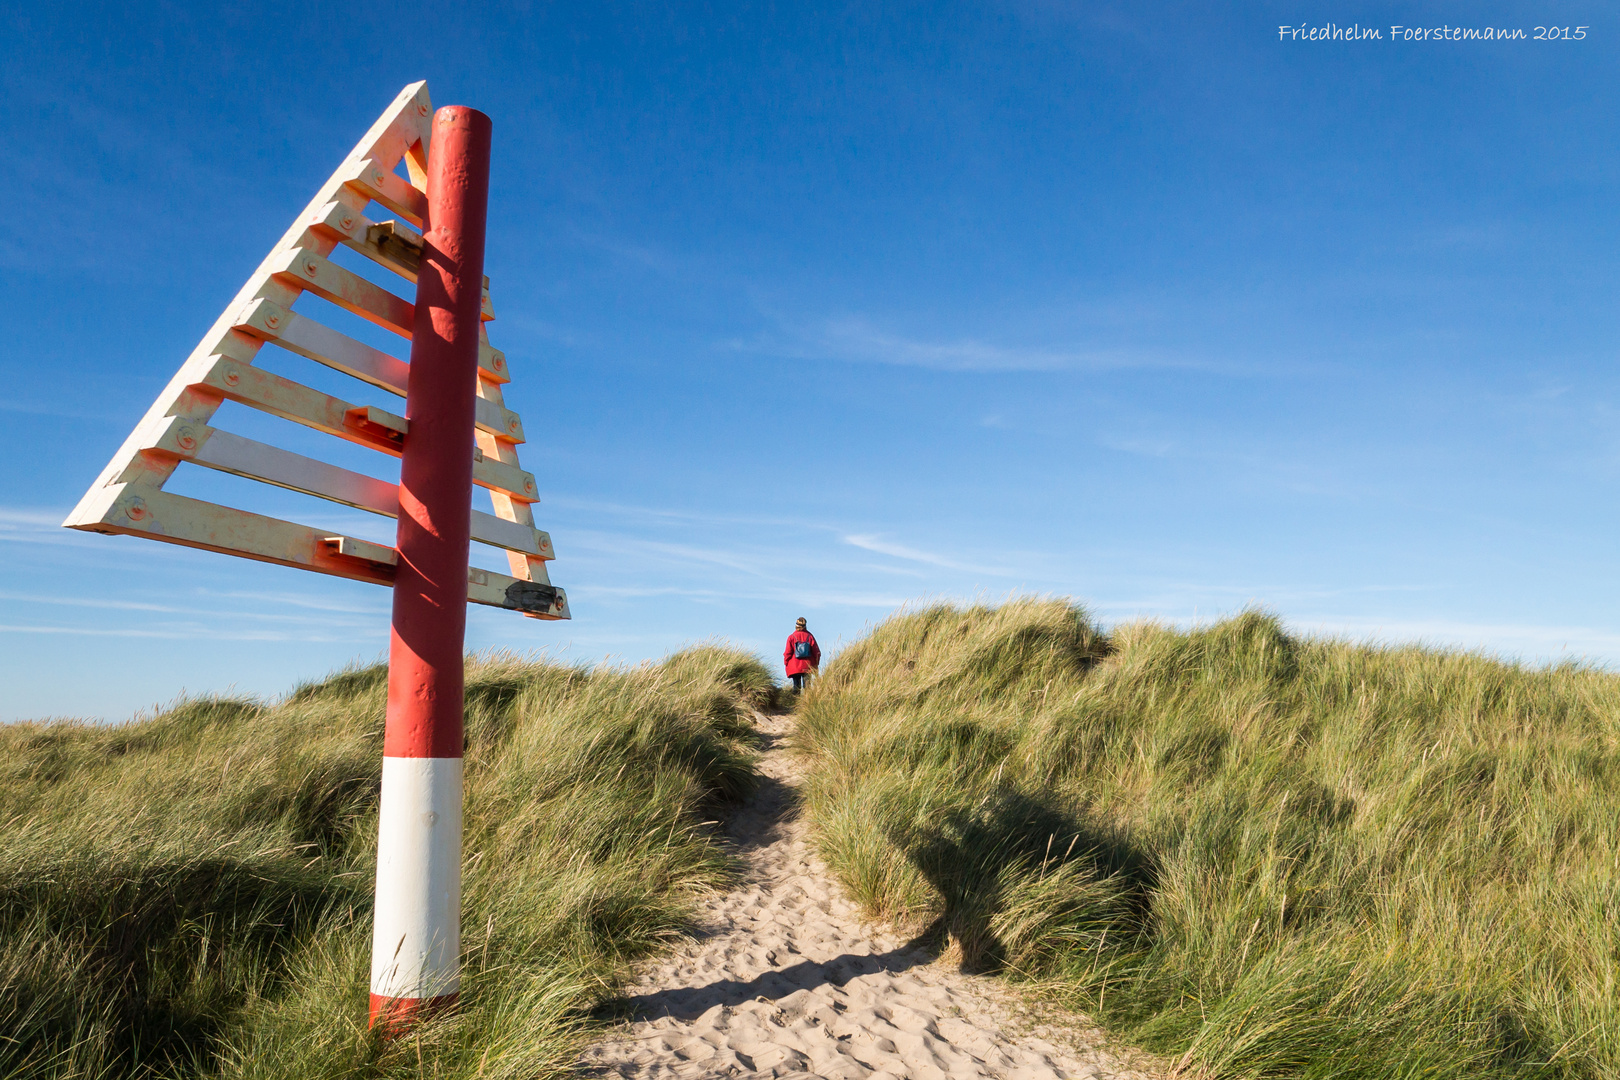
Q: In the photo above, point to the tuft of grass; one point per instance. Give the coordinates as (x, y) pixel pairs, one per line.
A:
(188, 895)
(1268, 855)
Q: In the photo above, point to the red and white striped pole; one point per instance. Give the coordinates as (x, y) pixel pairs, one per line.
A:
(416, 941)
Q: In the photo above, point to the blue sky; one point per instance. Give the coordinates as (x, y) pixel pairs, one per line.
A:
(820, 311)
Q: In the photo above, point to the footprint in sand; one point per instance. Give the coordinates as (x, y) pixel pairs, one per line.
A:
(786, 980)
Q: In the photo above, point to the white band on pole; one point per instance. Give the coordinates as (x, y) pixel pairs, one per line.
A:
(416, 942)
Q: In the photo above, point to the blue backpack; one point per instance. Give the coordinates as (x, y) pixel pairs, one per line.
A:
(801, 650)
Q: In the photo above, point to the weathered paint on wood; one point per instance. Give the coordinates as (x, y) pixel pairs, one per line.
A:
(225, 452)
(156, 514)
(377, 182)
(302, 268)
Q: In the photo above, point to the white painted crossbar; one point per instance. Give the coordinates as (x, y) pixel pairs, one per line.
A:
(338, 351)
(377, 182)
(268, 321)
(311, 340)
(255, 460)
(136, 510)
(363, 424)
(345, 288)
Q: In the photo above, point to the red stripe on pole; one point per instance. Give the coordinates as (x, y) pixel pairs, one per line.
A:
(425, 678)
(401, 1012)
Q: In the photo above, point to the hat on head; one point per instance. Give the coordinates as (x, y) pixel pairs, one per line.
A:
(799, 622)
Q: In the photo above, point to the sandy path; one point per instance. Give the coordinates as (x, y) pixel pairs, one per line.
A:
(787, 981)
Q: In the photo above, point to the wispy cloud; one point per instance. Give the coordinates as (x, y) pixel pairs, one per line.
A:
(334, 615)
(807, 596)
(856, 338)
(18, 517)
(32, 408)
(761, 560)
(1075, 341)
(1155, 448)
(928, 558)
(98, 603)
(30, 525)
(666, 514)
(305, 600)
(183, 632)
(870, 600)
(757, 565)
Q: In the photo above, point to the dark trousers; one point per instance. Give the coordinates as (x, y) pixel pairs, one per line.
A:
(800, 681)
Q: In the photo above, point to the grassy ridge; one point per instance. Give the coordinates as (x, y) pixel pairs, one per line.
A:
(189, 895)
(1266, 855)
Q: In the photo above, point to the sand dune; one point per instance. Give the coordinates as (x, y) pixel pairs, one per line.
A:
(786, 980)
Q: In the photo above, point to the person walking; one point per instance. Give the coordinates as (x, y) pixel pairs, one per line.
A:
(801, 656)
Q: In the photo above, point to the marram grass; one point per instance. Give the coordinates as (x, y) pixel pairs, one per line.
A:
(1268, 856)
(188, 895)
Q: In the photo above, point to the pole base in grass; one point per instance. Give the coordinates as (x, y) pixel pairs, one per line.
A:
(395, 1015)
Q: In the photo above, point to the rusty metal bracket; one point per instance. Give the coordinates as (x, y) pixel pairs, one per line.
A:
(401, 245)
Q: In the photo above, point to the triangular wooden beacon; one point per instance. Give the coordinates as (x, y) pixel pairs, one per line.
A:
(129, 498)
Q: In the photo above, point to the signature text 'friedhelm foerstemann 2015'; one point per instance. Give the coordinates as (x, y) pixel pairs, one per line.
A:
(1357, 32)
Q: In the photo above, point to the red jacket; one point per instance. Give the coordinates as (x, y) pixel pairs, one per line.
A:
(794, 665)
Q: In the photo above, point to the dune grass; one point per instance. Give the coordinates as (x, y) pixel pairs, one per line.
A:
(188, 895)
(1264, 855)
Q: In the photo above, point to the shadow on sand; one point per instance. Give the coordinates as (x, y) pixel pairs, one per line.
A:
(691, 1002)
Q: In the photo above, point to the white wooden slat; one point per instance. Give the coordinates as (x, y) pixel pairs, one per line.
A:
(390, 245)
(492, 364)
(320, 343)
(363, 424)
(538, 600)
(267, 320)
(228, 452)
(155, 514)
(314, 341)
(380, 184)
(508, 480)
(530, 567)
(313, 271)
(364, 550)
(259, 461)
(498, 420)
(497, 532)
(278, 396)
